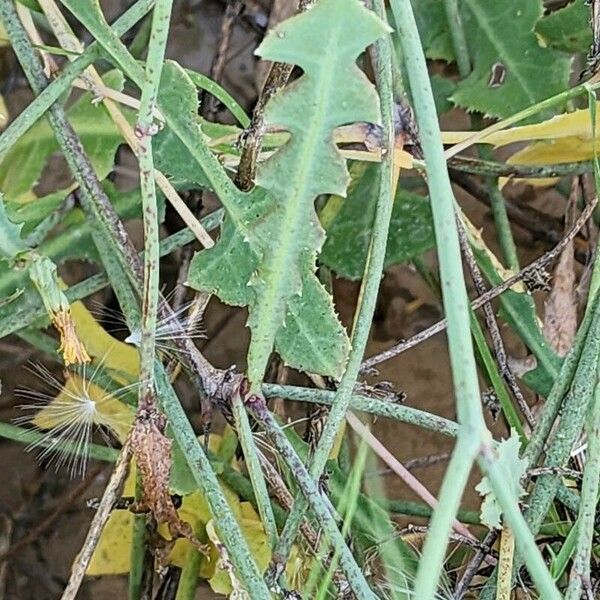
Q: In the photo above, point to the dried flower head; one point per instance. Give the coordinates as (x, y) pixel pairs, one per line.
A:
(71, 346)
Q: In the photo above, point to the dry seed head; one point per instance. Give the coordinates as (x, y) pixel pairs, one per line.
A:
(70, 413)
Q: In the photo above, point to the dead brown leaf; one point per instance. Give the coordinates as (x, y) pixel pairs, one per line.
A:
(560, 319)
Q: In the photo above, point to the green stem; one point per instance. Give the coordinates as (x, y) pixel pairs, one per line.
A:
(503, 230)
(459, 41)
(346, 508)
(456, 305)
(313, 496)
(41, 439)
(188, 582)
(382, 408)
(145, 129)
(204, 476)
(491, 168)
(138, 550)
(252, 460)
(580, 574)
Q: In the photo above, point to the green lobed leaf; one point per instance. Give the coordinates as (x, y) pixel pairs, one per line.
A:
(567, 29)
(514, 468)
(500, 37)
(325, 42)
(267, 252)
(411, 227)
(22, 166)
(11, 244)
(177, 95)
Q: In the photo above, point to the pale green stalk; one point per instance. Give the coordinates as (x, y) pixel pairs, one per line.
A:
(580, 573)
(363, 403)
(459, 41)
(347, 509)
(318, 502)
(456, 306)
(257, 478)
(145, 129)
(503, 230)
(42, 440)
(473, 436)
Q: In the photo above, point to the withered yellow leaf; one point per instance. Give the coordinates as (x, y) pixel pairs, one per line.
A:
(115, 355)
(577, 123)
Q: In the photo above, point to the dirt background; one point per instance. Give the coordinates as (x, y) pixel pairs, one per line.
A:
(29, 493)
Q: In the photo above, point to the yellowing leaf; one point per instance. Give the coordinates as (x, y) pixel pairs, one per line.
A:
(113, 553)
(577, 123)
(254, 533)
(115, 355)
(562, 139)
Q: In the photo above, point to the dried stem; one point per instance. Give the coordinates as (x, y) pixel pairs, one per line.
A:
(252, 137)
(536, 265)
(110, 496)
(492, 325)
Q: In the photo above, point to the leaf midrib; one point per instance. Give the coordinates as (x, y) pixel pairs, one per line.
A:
(277, 289)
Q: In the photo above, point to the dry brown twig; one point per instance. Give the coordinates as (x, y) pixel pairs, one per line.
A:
(252, 137)
(535, 266)
(110, 496)
(492, 326)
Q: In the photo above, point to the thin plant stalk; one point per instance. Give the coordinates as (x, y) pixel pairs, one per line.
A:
(347, 508)
(255, 473)
(473, 437)
(110, 495)
(367, 297)
(505, 237)
(363, 403)
(455, 304)
(145, 129)
(318, 502)
(459, 41)
(580, 574)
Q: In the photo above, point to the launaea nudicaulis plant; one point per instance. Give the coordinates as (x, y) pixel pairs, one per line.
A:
(69, 413)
